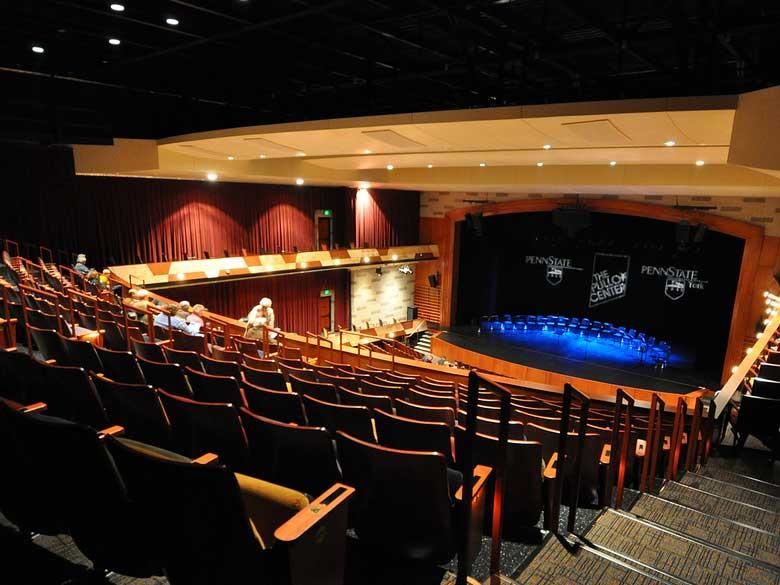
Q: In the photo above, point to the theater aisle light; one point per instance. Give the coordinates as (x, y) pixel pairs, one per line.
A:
(299, 181)
(37, 49)
(734, 370)
(231, 158)
(483, 164)
(430, 166)
(212, 176)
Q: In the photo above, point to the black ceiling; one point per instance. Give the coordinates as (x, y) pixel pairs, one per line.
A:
(234, 63)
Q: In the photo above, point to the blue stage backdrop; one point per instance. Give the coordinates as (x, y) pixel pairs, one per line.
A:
(675, 282)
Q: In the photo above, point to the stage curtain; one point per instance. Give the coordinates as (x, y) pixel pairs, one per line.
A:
(385, 217)
(295, 297)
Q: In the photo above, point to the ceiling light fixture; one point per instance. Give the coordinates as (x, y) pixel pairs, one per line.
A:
(301, 154)
(212, 176)
(231, 158)
(366, 151)
(540, 164)
(262, 156)
(390, 167)
(172, 21)
(117, 7)
(612, 163)
(547, 147)
(299, 181)
(430, 166)
(699, 163)
(483, 164)
(669, 143)
(37, 49)
(114, 42)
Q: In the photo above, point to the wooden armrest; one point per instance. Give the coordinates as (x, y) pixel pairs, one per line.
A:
(10, 349)
(314, 513)
(113, 431)
(52, 362)
(35, 407)
(606, 452)
(685, 438)
(207, 459)
(481, 472)
(641, 446)
(550, 471)
(667, 443)
(163, 342)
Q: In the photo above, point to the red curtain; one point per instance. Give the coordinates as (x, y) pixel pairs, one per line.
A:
(386, 217)
(295, 297)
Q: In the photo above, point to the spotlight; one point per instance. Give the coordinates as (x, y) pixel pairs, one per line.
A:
(299, 181)
(37, 49)
(117, 7)
(172, 21)
(114, 42)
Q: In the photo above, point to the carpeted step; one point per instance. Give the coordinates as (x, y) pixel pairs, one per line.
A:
(731, 491)
(718, 506)
(758, 544)
(555, 563)
(673, 554)
(741, 480)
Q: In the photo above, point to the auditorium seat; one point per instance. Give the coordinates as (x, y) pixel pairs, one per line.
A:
(152, 352)
(136, 408)
(407, 434)
(232, 528)
(247, 347)
(206, 427)
(211, 388)
(185, 342)
(113, 338)
(290, 353)
(120, 366)
(301, 373)
(50, 344)
(226, 355)
(426, 399)
(765, 388)
(82, 354)
(20, 377)
(354, 420)
(758, 416)
(404, 378)
(87, 320)
(70, 394)
(349, 382)
(340, 366)
(257, 363)
(296, 456)
(372, 401)
(382, 389)
(326, 392)
(433, 384)
(490, 426)
(265, 379)
(280, 406)
(219, 367)
(404, 508)
(185, 359)
(168, 377)
(421, 412)
(769, 371)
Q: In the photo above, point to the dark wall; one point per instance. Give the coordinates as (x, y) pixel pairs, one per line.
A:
(117, 220)
(506, 271)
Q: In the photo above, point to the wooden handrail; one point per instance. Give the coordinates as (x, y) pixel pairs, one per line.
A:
(320, 339)
(619, 464)
(569, 392)
(693, 437)
(652, 444)
(677, 436)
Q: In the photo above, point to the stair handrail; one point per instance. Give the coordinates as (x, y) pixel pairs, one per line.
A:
(569, 393)
(652, 444)
(694, 442)
(620, 463)
(476, 380)
(678, 432)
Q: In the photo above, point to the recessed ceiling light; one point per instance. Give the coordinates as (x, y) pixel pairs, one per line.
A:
(212, 176)
(669, 143)
(430, 166)
(612, 163)
(117, 7)
(366, 151)
(547, 147)
(301, 154)
(37, 49)
(366, 259)
(390, 167)
(540, 164)
(114, 42)
(262, 156)
(483, 164)
(231, 158)
(699, 163)
(172, 21)
(299, 181)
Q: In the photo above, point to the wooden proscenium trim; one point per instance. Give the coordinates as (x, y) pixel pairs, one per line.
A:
(752, 235)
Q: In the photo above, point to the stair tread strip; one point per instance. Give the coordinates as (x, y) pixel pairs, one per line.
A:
(733, 492)
(758, 544)
(674, 555)
(743, 480)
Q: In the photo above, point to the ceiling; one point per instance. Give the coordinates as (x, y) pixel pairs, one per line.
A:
(233, 63)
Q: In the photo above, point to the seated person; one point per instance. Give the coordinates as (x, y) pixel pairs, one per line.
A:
(194, 317)
(264, 310)
(168, 314)
(81, 265)
(183, 310)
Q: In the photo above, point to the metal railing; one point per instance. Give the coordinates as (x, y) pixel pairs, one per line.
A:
(618, 460)
(652, 444)
(678, 433)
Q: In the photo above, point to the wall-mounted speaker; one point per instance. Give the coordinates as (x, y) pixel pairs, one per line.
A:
(433, 280)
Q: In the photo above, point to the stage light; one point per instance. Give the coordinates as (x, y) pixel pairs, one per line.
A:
(114, 42)
(172, 21)
(389, 167)
(540, 164)
(699, 163)
(669, 143)
(117, 7)
(547, 147)
(37, 49)
(612, 163)
(212, 176)
(299, 181)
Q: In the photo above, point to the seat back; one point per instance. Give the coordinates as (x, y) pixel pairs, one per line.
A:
(49, 343)
(186, 359)
(301, 373)
(299, 457)
(112, 335)
(226, 355)
(412, 435)
(426, 399)
(759, 416)
(257, 363)
(265, 379)
(349, 382)
(401, 508)
(370, 401)
(420, 412)
(70, 394)
(221, 367)
(326, 392)
(152, 352)
(82, 354)
(185, 342)
(354, 420)
(120, 366)
(206, 427)
(210, 388)
(168, 377)
(280, 406)
(21, 379)
(382, 389)
(137, 408)
(765, 388)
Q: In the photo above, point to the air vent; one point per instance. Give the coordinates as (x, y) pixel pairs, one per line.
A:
(597, 132)
(392, 138)
(203, 152)
(270, 147)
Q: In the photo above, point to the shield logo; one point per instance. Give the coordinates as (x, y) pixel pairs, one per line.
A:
(554, 275)
(675, 288)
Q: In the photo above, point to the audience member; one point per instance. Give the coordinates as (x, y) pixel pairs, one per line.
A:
(168, 317)
(194, 317)
(263, 310)
(81, 265)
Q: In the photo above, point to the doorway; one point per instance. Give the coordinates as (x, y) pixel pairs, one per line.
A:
(326, 311)
(323, 229)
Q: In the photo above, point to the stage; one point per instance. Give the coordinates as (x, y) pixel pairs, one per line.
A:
(499, 354)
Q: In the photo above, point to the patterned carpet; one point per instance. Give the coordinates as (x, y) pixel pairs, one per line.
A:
(731, 491)
(754, 543)
(675, 555)
(741, 480)
(717, 506)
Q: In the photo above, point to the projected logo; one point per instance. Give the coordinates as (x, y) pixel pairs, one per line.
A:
(610, 278)
(678, 280)
(554, 267)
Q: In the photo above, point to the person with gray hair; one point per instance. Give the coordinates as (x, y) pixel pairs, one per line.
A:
(81, 265)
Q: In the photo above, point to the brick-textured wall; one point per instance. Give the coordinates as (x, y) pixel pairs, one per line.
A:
(377, 297)
(764, 211)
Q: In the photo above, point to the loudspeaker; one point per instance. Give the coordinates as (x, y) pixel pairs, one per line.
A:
(411, 313)
(433, 280)
(700, 233)
(475, 224)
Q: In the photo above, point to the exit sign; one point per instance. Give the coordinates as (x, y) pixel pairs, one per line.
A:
(327, 212)
(325, 292)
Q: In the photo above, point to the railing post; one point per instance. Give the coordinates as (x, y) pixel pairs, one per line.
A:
(693, 437)
(618, 454)
(676, 442)
(584, 405)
